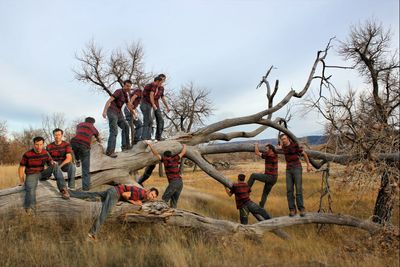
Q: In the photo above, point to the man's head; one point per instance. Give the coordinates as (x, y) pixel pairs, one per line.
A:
(58, 134)
(158, 80)
(127, 85)
(90, 120)
(241, 177)
(270, 148)
(162, 76)
(152, 193)
(285, 141)
(167, 154)
(38, 143)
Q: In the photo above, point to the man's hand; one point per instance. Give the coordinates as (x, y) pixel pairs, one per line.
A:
(309, 168)
(147, 142)
(104, 115)
(21, 181)
(155, 107)
(136, 202)
(168, 110)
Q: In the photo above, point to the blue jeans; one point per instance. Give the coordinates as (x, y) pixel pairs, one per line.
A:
(147, 120)
(160, 124)
(255, 210)
(146, 175)
(136, 123)
(294, 179)
(108, 198)
(82, 153)
(70, 169)
(56, 171)
(268, 180)
(117, 120)
(172, 192)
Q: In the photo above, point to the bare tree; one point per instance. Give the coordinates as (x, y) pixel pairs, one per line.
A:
(51, 122)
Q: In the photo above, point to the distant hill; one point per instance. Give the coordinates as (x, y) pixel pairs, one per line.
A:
(310, 140)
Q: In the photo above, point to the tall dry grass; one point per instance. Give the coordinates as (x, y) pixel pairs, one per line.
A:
(30, 241)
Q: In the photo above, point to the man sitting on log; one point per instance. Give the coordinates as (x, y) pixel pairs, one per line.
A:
(172, 170)
(109, 198)
(32, 164)
(270, 174)
(243, 201)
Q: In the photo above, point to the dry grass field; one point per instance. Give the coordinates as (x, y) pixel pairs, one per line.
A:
(30, 241)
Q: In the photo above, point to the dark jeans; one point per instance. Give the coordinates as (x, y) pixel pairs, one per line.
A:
(255, 210)
(116, 120)
(82, 153)
(172, 192)
(109, 198)
(70, 169)
(294, 179)
(136, 123)
(147, 120)
(268, 180)
(146, 175)
(31, 182)
(160, 124)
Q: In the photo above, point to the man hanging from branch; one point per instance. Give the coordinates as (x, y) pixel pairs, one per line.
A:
(294, 174)
(270, 174)
(172, 170)
(112, 111)
(109, 198)
(243, 202)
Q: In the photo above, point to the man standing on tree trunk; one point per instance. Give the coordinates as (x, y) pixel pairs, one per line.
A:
(32, 165)
(172, 170)
(157, 113)
(243, 202)
(270, 173)
(294, 172)
(61, 152)
(81, 144)
(112, 111)
(132, 116)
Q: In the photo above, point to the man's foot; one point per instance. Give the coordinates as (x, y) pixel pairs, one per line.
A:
(302, 213)
(292, 213)
(125, 148)
(78, 163)
(112, 155)
(65, 193)
(91, 237)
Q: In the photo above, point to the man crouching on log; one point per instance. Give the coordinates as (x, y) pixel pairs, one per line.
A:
(243, 201)
(109, 198)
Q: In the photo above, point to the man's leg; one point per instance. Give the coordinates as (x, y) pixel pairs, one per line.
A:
(46, 173)
(160, 124)
(57, 172)
(123, 124)
(290, 190)
(85, 158)
(87, 195)
(297, 173)
(244, 215)
(256, 176)
(147, 121)
(269, 183)
(175, 196)
(111, 198)
(71, 170)
(146, 175)
(112, 138)
(31, 182)
(169, 191)
(138, 130)
(257, 210)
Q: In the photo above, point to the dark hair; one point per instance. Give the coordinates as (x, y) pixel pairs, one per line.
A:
(127, 81)
(154, 189)
(162, 75)
(90, 120)
(271, 147)
(58, 130)
(282, 135)
(158, 78)
(38, 139)
(241, 177)
(167, 153)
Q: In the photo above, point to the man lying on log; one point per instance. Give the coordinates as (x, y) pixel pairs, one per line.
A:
(243, 201)
(109, 198)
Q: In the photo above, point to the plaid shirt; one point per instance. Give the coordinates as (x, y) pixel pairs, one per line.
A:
(138, 93)
(137, 192)
(292, 155)
(59, 152)
(120, 98)
(158, 94)
(242, 194)
(271, 163)
(151, 87)
(34, 162)
(84, 134)
(171, 165)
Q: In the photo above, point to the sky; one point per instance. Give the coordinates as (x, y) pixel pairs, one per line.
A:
(225, 46)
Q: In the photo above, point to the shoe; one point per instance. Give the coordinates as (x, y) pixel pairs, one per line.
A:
(78, 163)
(112, 155)
(91, 237)
(292, 213)
(65, 193)
(302, 213)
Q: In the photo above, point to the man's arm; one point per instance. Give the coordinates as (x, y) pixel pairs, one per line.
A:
(309, 168)
(228, 191)
(126, 196)
(133, 111)
(107, 105)
(183, 151)
(164, 100)
(152, 101)
(68, 159)
(257, 150)
(21, 173)
(155, 153)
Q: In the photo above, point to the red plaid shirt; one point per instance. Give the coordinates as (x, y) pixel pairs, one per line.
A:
(292, 155)
(271, 163)
(151, 87)
(158, 94)
(171, 165)
(120, 98)
(34, 162)
(138, 93)
(84, 134)
(242, 194)
(59, 152)
(137, 192)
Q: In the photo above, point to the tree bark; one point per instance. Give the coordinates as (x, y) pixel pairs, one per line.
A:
(384, 201)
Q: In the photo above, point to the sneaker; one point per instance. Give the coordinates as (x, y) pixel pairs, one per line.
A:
(65, 193)
(292, 213)
(78, 163)
(112, 155)
(302, 213)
